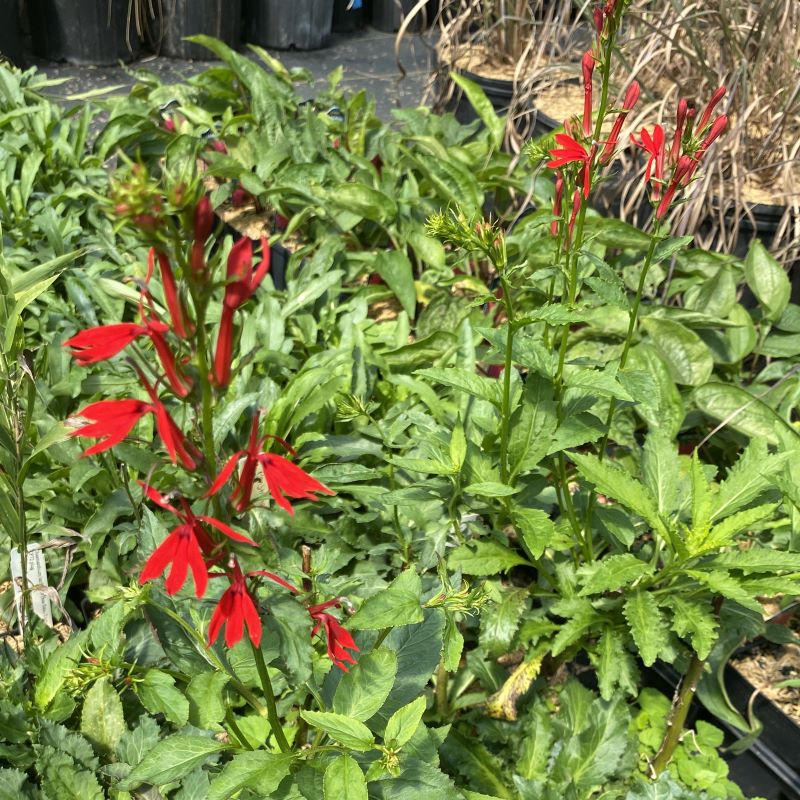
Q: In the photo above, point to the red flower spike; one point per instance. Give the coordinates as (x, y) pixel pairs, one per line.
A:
(654, 145)
(284, 479)
(715, 98)
(111, 422)
(631, 98)
(171, 435)
(203, 225)
(243, 280)
(680, 121)
(223, 355)
(177, 313)
(338, 638)
(587, 65)
(236, 608)
(717, 129)
(569, 152)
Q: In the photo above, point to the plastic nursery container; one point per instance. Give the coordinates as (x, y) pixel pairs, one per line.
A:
(285, 24)
(347, 19)
(221, 19)
(82, 31)
(387, 15)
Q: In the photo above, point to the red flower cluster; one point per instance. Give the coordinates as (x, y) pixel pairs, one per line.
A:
(199, 544)
(689, 144)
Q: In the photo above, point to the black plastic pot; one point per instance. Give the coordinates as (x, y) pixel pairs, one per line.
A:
(347, 20)
(10, 33)
(81, 31)
(770, 767)
(285, 24)
(221, 19)
(387, 15)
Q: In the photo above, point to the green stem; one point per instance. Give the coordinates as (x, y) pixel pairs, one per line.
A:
(505, 409)
(231, 720)
(269, 696)
(207, 418)
(442, 703)
(677, 716)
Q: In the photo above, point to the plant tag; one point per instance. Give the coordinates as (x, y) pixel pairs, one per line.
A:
(37, 576)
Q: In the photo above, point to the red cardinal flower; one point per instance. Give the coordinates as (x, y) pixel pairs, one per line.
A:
(681, 176)
(587, 65)
(235, 609)
(338, 638)
(180, 319)
(284, 479)
(704, 119)
(557, 200)
(680, 121)
(203, 225)
(571, 152)
(105, 341)
(654, 145)
(185, 546)
(631, 97)
(112, 420)
(243, 280)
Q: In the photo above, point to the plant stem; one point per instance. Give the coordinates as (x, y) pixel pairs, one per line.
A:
(677, 715)
(269, 696)
(207, 417)
(505, 409)
(231, 720)
(442, 704)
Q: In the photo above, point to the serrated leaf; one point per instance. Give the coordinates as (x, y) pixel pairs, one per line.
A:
(484, 558)
(206, 702)
(403, 724)
(728, 586)
(469, 382)
(469, 758)
(615, 482)
(258, 770)
(499, 621)
(660, 470)
(694, 620)
(612, 573)
(535, 528)
(701, 506)
(756, 559)
(364, 689)
(344, 780)
(344, 730)
(503, 703)
(171, 759)
(647, 625)
(102, 718)
(580, 617)
(616, 667)
(398, 604)
(533, 425)
(458, 446)
(490, 489)
(724, 533)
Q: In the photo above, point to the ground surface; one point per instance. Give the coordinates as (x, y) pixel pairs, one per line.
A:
(367, 57)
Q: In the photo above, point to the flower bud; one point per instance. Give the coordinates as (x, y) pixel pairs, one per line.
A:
(587, 65)
(715, 98)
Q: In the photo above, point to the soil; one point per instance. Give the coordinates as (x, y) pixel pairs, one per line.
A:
(482, 61)
(766, 665)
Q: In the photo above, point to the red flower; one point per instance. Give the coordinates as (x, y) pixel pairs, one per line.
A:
(587, 65)
(338, 638)
(715, 98)
(654, 145)
(242, 282)
(686, 166)
(203, 225)
(104, 341)
(631, 97)
(235, 609)
(717, 129)
(680, 122)
(185, 546)
(112, 420)
(282, 476)
(571, 152)
(180, 319)
(557, 200)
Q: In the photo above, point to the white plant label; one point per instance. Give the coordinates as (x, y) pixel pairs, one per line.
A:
(37, 576)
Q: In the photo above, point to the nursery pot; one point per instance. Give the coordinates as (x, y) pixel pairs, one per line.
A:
(10, 33)
(179, 18)
(387, 15)
(347, 20)
(82, 31)
(283, 24)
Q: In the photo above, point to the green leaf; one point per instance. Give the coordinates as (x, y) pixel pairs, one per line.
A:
(533, 425)
(395, 269)
(102, 719)
(724, 533)
(398, 604)
(537, 745)
(768, 280)
(458, 446)
(171, 759)
(687, 356)
(726, 585)
(694, 619)
(647, 625)
(206, 703)
(536, 529)
(580, 616)
(756, 559)
(490, 489)
(663, 409)
(484, 558)
(666, 248)
(613, 481)
(364, 689)
(500, 620)
(57, 668)
(257, 770)
(469, 382)
(701, 506)
(344, 780)
(483, 108)
(345, 730)
(158, 695)
(738, 409)
(287, 621)
(403, 724)
(612, 573)
(660, 470)
(716, 296)
(363, 200)
(466, 756)
(615, 666)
